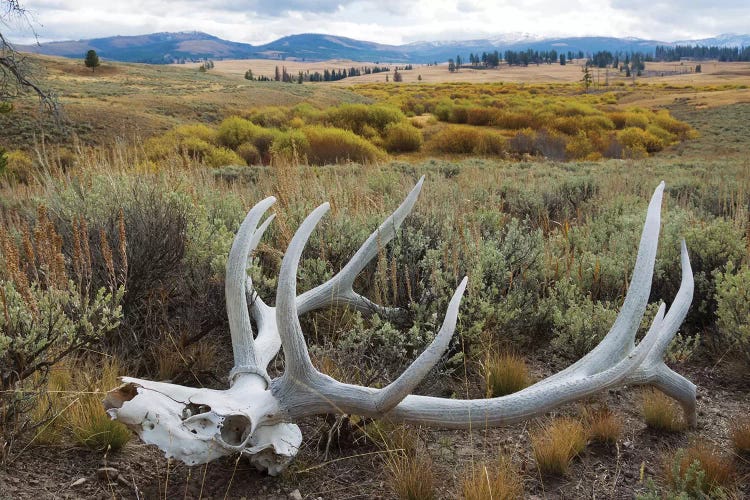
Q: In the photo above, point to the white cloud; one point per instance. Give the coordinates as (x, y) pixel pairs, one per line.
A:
(385, 21)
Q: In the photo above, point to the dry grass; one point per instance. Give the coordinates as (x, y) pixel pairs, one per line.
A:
(701, 468)
(412, 477)
(393, 437)
(603, 425)
(557, 443)
(50, 407)
(505, 373)
(741, 435)
(661, 413)
(499, 481)
(89, 423)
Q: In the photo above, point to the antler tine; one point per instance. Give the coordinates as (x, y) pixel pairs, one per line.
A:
(339, 288)
(315, 392)
(297, 359)
(245, 241)
(619, 341)
(653, 370)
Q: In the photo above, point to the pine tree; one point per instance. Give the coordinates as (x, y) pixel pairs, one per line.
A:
(586, 79)
(92, 60)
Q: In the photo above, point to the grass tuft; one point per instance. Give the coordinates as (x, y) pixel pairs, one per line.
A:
(505, 373)
(499, 481)
(412, 477)
(698, 470)
(741, 435)
(556, 444)
(603, 425)
(90, 424)
(661, 413)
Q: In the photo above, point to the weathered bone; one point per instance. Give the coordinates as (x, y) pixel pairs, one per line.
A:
(254, 415)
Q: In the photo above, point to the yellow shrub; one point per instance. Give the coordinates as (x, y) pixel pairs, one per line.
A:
(291, 146)
(402, 137)
(637, 139)
(19, 166)
(665, 121)
(221, 157)
(270, 116)
(579, 147)
(459, 139)
(636, 119)
(333, 145)
(197, 130)
(196, 148)
(597, 122)
(355, 116)
(234, 130)
(514, 120)
(482, 116)
(570, 125)
(665, 138)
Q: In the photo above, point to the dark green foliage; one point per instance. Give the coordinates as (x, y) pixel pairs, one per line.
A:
(91, 60)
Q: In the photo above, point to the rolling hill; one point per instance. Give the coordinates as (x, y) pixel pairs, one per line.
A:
(160, 48)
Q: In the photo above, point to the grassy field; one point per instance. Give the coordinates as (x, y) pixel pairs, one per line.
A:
(140, 227)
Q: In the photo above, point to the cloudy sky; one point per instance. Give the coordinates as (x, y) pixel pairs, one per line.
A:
(385, 21)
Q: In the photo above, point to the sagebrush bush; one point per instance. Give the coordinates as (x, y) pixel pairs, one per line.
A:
(52, 308)
(334, 145)
(733, 308)
(579, 322)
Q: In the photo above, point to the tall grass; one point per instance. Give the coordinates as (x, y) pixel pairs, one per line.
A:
(89, 423)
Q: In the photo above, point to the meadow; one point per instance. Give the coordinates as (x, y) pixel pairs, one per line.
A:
(114, 242)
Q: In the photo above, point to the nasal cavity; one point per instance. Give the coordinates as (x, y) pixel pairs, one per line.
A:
(235, 429)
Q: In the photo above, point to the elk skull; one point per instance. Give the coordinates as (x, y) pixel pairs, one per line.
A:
(254, 416)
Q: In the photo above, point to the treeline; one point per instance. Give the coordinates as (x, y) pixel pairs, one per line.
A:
(328, 75)
(619, 60)
(723, 54)
(512, 58)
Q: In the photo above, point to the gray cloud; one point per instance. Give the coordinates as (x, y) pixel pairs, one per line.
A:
(385, 21)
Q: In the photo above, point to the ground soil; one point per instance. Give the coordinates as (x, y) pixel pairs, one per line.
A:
(357, 469)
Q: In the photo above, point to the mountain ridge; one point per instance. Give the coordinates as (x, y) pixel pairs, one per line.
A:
(170, 47)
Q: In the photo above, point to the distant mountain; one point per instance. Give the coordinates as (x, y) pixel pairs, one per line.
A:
(156, 48)
(159, 48)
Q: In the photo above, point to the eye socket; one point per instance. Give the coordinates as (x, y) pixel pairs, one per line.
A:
(235, 429)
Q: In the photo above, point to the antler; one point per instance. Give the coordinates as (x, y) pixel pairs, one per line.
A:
(304, 391)
(199, 425)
